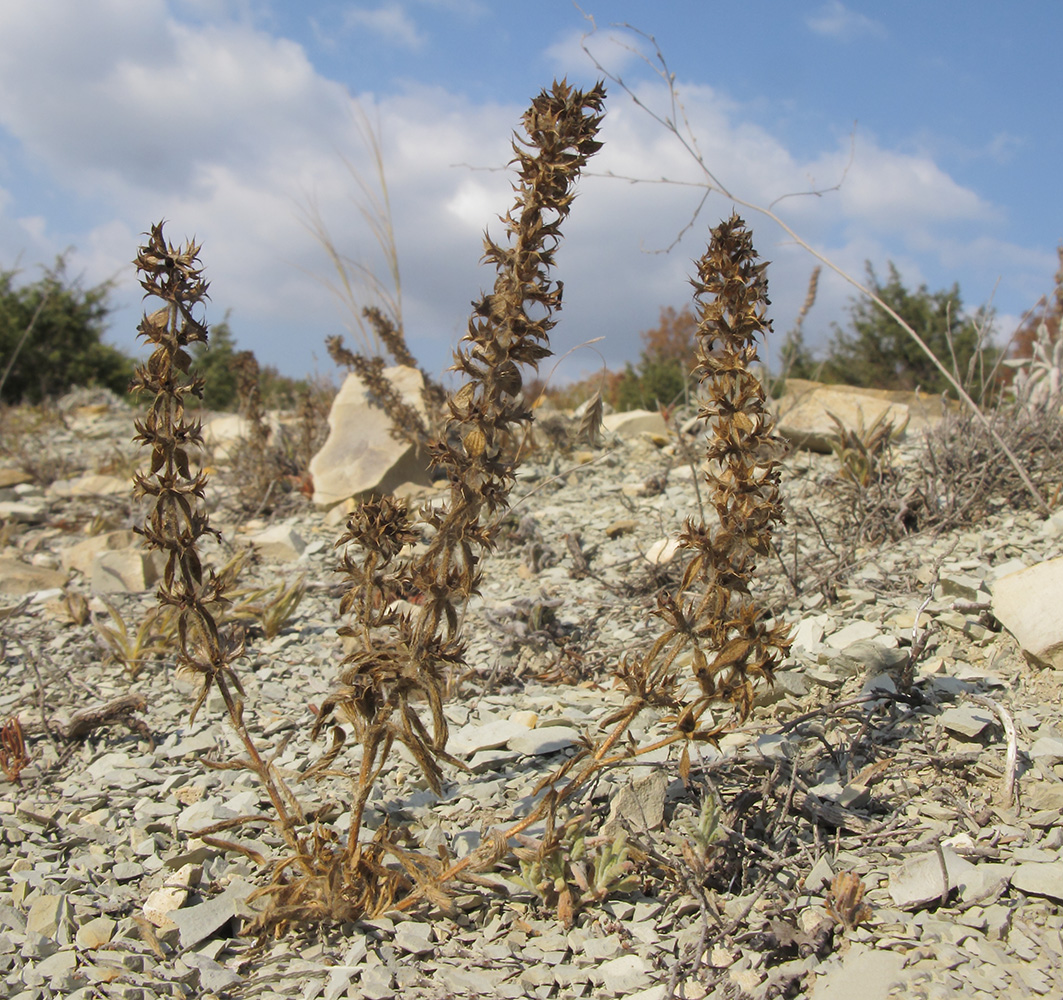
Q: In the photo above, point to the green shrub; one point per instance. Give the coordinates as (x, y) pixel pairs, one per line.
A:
(51, 334)
(875, 351)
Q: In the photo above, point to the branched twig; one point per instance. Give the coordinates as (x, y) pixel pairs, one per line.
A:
(686, 139)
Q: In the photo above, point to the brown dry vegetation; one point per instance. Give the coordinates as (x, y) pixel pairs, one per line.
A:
(717, 634)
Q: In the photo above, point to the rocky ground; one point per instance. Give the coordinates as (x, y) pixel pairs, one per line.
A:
(107, 890)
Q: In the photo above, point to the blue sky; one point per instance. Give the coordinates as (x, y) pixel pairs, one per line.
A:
(929, 129)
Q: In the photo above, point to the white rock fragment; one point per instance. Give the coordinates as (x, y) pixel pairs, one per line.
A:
(361, 454)
(1040, 879)
(1027, 604)
(279, 543)
(492, 735)
(547, 739)
(197, 923)
(126, 571)
(95, 933)
(631, 423)
(1048, 749)
(639, 805)
(172, 896)
(18, 578)
(662, 552)
(853, 632)
(967, 720)
(623, 975)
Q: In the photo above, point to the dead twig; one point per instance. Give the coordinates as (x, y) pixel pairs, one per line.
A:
(81, 724)
(1012, 760)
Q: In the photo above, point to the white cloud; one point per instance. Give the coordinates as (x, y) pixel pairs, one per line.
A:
(227, 131)
(390, 21)
(613, 47)
(835, 20)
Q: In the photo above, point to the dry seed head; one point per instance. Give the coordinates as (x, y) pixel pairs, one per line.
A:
(402, 659)
(729, 640)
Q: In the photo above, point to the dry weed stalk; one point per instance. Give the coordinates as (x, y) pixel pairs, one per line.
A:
(178, 519)
(676, 123)
(400, 663)
(406, 423)
(13, 753)
(726, 636)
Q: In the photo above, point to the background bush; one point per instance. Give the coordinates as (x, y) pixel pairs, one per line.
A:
(51, 334)
(873, 350)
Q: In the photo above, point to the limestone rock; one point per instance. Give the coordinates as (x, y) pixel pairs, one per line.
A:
(640, 805)
(81, 555)
(804, 411)
(22, 511)
(18, 578)
(631, 423)
(197, 923)
(919, 880)
(663, 551)
(95, 933)
(224, 432)
(623, 975)
(92, 485)
(863, 972)
(279, 543)
(171, 896)
(126, 571)
(548, 739)
(1040, 878)
(361, 455)
(1027, 604)
(14, 477)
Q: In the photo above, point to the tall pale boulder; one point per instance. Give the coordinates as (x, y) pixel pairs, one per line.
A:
(361, 455)
(1027, 604)
(803, 412)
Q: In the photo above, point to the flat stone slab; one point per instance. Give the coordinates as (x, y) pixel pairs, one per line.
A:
(489, 736)
(919, 881)
(548, 739)
(197, 923)
(967, 720)
(1040, 879)
(18, 578)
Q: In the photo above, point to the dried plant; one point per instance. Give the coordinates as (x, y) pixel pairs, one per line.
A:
(14, 756)
(400, 661)
(845, 901)
(134, 648)
(728, 637)
(273, 608)
(1038, 379)
(406, 423)
(863, 452)
(177, 519)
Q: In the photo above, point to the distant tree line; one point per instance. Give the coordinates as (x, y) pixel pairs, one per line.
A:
(870, 349)
(51, 340)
